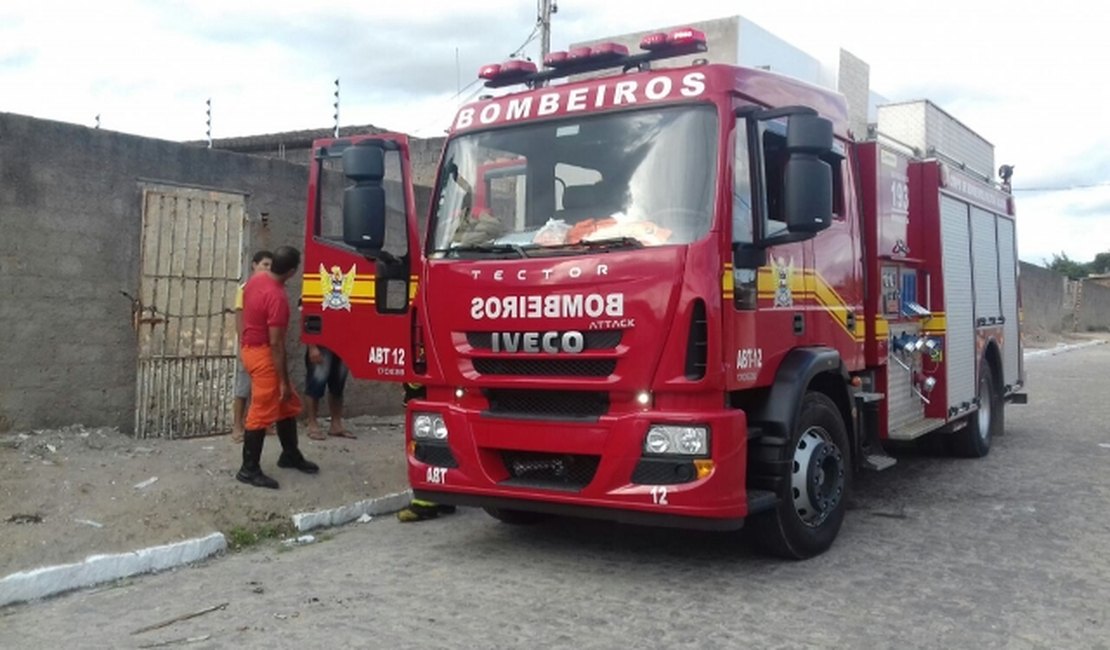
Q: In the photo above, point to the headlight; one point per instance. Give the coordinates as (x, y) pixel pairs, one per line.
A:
(677, 440)
(428, 426)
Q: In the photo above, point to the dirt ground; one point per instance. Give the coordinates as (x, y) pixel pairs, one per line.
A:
(69, 493)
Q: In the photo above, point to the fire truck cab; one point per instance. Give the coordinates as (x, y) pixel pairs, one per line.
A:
(684, 297)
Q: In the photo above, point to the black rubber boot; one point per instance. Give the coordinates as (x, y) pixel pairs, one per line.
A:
(291, 457)
(251, 472)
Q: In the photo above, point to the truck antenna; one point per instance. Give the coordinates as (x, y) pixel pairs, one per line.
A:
(336, 105)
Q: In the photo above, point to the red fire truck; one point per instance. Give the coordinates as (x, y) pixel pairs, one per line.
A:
(684, 296)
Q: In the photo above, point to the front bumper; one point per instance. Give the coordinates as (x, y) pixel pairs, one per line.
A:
(582, 468)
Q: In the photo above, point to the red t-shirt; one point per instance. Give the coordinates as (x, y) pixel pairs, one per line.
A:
(264, 306)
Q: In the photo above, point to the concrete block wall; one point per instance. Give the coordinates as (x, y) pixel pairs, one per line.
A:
(70, 214)
(853, 80)
(1043, 297)
(931, 130)
(1093, 314)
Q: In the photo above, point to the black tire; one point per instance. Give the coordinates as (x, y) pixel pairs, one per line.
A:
(517, 517)
(806, 521)
(974, 440)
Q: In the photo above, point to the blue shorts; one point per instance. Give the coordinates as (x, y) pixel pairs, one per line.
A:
(242, 381)
(330, 375)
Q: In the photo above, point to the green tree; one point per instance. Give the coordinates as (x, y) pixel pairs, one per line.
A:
(1064, 265)
(1101, 263)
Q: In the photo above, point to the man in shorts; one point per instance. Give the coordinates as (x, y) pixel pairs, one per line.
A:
(325, 372)
(262, 348)
(261, 261)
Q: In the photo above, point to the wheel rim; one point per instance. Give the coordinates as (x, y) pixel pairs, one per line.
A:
(985, 403)
(817, 478)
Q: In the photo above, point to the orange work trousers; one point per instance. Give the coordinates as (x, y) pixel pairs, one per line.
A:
(266, 406)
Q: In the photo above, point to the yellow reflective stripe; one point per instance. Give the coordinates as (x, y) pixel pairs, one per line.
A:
(935, 324)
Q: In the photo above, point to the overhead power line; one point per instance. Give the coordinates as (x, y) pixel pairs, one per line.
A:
(1062, 188)
(454, 99)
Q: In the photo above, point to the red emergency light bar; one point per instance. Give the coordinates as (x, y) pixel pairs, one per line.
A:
(510, 71)
(580, 60)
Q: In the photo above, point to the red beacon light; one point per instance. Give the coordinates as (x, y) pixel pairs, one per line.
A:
(578, 54)
(489, 72)
(653, 42)
(511, 69)
(556, 59)
(517, 67)
(607, 51)
(679, 38)
(686, 36)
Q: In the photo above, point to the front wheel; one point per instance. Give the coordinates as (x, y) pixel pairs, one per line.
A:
(817, 477)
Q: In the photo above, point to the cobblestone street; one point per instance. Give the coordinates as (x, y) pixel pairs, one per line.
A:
(1008, 551)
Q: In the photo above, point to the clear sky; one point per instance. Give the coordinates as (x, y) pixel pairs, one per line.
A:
(1028, 76)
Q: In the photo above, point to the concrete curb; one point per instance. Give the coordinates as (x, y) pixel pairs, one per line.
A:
(1049, 352)
(97, 569)
(305, 521)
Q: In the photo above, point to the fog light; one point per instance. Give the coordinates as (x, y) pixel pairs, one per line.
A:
(643, 398)
(677, 440)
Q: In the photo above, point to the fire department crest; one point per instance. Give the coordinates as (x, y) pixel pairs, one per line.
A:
(784, 296)
(336, 287)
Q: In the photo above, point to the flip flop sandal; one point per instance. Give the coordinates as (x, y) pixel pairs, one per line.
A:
(342, 434)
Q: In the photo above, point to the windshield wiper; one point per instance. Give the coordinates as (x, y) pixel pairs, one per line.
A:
(609, 243)
(492, 249)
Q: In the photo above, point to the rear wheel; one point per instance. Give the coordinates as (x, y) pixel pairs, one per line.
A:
(974, 440)
(817, 477)
(516, 517)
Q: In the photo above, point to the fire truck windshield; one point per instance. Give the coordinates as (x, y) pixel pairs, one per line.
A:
(628, 179)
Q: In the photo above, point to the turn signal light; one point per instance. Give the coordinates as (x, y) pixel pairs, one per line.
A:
(704, 467)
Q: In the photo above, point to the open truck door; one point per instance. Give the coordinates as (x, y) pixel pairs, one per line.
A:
(362, 256)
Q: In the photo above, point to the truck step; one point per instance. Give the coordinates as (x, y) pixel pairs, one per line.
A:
(916, 429)
(867, 398)
(877, 462)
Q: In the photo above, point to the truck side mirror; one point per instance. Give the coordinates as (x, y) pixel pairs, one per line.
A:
(364, 201)
(808, 179)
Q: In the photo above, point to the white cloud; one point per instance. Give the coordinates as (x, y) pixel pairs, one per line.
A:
(1026, 75)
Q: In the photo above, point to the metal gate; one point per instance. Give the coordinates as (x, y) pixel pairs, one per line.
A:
(192, 251)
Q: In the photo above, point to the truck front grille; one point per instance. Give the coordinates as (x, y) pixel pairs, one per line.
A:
(547, 404)
(570, 472)
(597, 340)
(546, 367)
